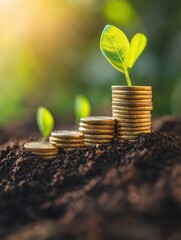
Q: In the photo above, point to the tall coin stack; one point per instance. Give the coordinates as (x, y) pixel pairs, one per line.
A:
(67, 140)
(131, 107)
(97, 130)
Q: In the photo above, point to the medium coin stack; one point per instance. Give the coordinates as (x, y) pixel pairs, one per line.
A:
(67, 140)
(131, 107)
(43, 149)
(97, 130)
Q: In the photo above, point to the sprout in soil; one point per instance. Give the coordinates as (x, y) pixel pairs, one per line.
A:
(119, 52)
(82, 107)
(45, 122)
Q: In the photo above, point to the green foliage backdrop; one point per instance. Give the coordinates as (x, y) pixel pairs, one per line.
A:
(49, 54)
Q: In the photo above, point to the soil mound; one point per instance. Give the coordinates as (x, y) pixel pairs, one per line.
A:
(108, 192)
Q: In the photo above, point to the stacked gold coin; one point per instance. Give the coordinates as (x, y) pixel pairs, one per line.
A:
(97, 130)
(67, 140)
(43, 149)
(131, 107)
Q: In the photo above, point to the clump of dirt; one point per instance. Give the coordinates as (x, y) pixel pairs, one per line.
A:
(114, 191)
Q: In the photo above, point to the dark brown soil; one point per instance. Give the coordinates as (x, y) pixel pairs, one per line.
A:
(120, 191)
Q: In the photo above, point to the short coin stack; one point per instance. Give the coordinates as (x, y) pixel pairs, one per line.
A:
(43, 149)
(131, 107)
(67, 140)
(97, 130)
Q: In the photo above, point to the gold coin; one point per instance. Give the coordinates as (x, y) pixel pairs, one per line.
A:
(134, 120)
(125, 133)
(92, 144)
(44, 154)
(67, 145)
(66, 140)
(120, 100)
(133, 125)
(134, 129)
(98, 141)
(98, 120)
(117, 92)
(71, 149)
(123, 140)
(138, 116)
(66, 134)
(40, 147)
(132, 109)
(96, 131)
(132, 88)
(89, 126)
(132, 104)
(127, 137)
(90, 136)
(131, 97)
(121, 112)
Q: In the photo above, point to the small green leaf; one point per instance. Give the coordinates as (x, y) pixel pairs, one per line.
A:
(138, 44)
(81, 107)
(115, 47)
(45, 121)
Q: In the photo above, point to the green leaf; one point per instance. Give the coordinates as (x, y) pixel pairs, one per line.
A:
(138, 44)
(45, 121)
(81, 107)
(115, 47)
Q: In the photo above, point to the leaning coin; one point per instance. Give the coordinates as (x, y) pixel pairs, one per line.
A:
(41, 147)
(66, 140)
(132, 88)
(96, 131)
(135, 97)
(66, 134)
(136, 108)
(132, 92)
(99, 120)
(91, 126)
(100, 136)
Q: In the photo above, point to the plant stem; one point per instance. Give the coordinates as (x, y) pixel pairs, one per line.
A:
(128, 78)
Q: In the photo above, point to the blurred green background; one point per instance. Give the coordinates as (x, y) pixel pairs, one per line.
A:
(49, 53)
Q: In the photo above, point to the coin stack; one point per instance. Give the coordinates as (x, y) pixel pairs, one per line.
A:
(67, 140)
(131, 107)
(97, 130)
(43, 149)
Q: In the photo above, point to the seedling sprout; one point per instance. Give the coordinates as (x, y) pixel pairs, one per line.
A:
(82, 107)
(119, 52)
(45, 122)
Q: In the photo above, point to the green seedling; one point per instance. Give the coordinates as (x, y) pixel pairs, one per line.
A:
(82, 107)
(45, 122)
(119, 52)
